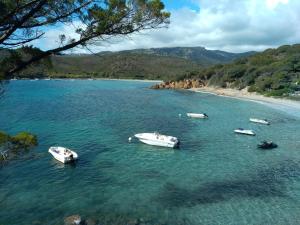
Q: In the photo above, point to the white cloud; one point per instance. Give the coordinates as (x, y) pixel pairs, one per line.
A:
(231, 25)
(51, 37)
(271, 4)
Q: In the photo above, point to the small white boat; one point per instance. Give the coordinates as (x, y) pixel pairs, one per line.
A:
(243, 131)
(197, 115)
(264, 121)
(157, 139)
(62, 154)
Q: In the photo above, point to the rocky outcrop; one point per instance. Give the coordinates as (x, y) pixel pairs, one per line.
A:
(182, 84)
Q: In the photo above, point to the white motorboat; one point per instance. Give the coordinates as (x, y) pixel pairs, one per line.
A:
(264, 121)
(157, 139)
(63, 154)
(243, 131)
(197, 115)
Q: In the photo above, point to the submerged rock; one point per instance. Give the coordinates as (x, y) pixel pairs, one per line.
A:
(3, 155)
(139, 221)
(90, 222)
(73, 220)
(133, 222)
(12, 146)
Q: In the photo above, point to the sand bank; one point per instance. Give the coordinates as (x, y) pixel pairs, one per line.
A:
(282, 104)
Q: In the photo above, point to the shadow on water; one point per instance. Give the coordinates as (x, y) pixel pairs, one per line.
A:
(58, 165)
(266, 183)
(151, 174)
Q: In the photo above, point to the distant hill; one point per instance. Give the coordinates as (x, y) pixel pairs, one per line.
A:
(200, 55)
(121, 65)
(154, 63)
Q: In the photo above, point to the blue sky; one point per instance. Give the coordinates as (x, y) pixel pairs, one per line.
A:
(178, 4)
(229, 25)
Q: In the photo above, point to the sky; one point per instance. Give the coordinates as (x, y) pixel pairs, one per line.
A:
(228, 25)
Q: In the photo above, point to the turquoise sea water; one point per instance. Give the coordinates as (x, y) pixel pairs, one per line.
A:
(216, 177)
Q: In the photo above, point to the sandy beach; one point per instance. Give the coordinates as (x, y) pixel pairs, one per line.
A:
(282, 104)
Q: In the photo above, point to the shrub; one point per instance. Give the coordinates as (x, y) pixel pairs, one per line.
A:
(24, 140)
(279, 92)
(252, 88)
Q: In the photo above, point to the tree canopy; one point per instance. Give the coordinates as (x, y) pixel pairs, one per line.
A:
(23, 21)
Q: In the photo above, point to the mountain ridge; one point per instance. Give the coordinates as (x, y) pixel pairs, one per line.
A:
(153, 63)
(198, 54)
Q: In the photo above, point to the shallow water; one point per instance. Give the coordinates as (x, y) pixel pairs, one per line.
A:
(217, 177)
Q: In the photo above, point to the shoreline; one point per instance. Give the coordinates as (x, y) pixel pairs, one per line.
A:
(281, 104)
(116, 79)
(141, 80)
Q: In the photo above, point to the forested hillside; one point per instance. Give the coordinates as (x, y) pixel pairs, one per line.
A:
(274, 72)
(159, 63)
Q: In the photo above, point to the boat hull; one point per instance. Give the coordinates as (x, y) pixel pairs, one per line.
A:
(245, 132)
(62, 158)
(159, 143)
(158, 140)
(259, 121)
(197, 115)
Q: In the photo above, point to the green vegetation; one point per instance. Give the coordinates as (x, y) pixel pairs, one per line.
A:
(24, 140)
(9, 58)
(156, 63)
(115, 65)
(274, 72)
(24, 21)
(199, 55)
(11, 146)
(4, 138)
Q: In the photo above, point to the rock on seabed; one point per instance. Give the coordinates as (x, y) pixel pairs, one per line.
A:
(73, 220)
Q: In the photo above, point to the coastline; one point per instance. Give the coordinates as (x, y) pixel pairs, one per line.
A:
(141, 80)
(76, 78)
(286, 105)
